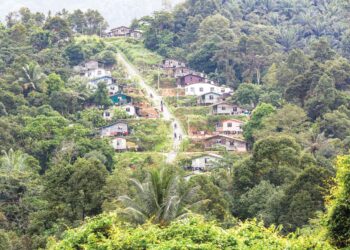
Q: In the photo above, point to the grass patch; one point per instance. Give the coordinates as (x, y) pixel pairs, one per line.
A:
(136, 52)
(151, 135)
(138, 160)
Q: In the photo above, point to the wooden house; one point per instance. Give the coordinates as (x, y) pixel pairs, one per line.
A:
(121, 31)
(226, 108)
(119, 128)
(209, 98)
(229, 143)
(205, 162)
(230, 127)
(190, 78)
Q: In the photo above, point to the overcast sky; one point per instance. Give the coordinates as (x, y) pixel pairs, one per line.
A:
(117, 12)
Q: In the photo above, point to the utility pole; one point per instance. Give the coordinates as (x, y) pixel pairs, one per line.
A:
(158, 77)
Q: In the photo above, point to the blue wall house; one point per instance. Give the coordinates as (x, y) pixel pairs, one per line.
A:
(120, 99)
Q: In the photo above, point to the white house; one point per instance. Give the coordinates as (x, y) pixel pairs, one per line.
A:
(97, 73)
(91, 65)
(205, 162)
(137, 34)
(108, 114)
(227, 142)
(119, 144)
(230, 127)
(226, 108)
(130, 109)
(112, 88)
(209, 98)
(85, 67)
(108, 80)
(198, 89)
(171, 63)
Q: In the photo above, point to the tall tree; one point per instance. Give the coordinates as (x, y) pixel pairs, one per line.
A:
(161, 198)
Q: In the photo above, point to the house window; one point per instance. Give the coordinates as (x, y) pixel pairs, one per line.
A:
(218, 141)
(211, 97)
(232, 143)
(108, 114)
(229, 125)
(223, 108)
(222, 90)
(234, 109)
(201, 89)
(212, 89)
(192, 89)
(99, 72)
(206, 160)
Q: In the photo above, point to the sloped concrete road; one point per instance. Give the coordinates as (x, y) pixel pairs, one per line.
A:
(157, 100)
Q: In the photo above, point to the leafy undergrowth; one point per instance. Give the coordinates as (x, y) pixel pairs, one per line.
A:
(137, 53)
(108, 232)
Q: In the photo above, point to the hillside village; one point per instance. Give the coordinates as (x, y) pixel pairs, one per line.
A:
(128, 97)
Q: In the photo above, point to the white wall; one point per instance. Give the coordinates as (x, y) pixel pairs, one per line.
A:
(199, 89)
(119, 144)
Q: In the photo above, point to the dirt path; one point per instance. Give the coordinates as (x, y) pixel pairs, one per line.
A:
(177, 132)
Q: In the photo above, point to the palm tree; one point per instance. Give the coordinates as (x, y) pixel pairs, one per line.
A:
(32, 76)
(160, 198)
(13, 161)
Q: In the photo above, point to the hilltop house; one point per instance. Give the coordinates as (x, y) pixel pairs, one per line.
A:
(124, 31)
(229, 143)
(205, 162)
(120, 31)
(120, 99)
(209, 98)
(190, 78)
(199, 89)
(226, 108)
(119, 128)
(229, 127)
